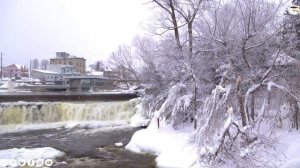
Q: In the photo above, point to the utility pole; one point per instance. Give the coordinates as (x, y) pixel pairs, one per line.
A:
(30, 69)
(1, 54)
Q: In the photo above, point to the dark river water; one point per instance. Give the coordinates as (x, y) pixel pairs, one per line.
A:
(83, 147)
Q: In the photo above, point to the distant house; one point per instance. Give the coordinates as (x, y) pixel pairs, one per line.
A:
(15, 71)
(45, 75)
(55, 74)
(64, 58)
(89, 83)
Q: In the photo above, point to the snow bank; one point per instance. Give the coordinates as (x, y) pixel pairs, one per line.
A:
(34, 157)
(173, 149)
(33, 153)
(171, 146)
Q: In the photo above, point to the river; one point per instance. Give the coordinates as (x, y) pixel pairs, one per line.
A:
(85, 131)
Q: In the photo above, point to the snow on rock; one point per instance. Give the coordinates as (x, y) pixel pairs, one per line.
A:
(33, 153)
(171, 146)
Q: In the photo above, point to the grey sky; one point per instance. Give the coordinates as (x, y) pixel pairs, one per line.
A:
(85, 28)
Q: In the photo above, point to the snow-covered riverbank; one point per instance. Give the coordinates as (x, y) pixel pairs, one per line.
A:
(174, 149)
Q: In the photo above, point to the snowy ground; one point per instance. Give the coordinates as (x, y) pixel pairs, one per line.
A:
(290, 146)
(16, 157)
(34, 153)
(173, 148)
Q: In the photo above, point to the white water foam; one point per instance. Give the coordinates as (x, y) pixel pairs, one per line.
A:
(25, 116)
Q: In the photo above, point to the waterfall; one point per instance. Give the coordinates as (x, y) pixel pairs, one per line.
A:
(52, 112)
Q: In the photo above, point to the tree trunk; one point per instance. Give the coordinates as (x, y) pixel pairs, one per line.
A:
(241, 101)
(174, 20)
(296, 113)
(190, 32)
(242, 111)
(244, 55)
(195, 103)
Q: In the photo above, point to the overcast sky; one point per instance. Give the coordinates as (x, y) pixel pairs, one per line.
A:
(85, 28)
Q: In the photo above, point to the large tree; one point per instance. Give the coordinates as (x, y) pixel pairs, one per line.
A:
(242, 36)
(123, 61)
(177, 57)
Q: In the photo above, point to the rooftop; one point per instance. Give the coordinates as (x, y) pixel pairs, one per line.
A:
(72, 57)
(46, 71)
(86, 77)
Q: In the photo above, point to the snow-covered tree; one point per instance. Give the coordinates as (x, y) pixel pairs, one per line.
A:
(242, 35)
(177, 62)
(123, 62)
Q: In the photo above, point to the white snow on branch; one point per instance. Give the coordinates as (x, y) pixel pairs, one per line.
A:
(249, 91)
(272, 84)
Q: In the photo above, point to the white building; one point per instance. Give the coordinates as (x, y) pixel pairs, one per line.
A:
(55, 74)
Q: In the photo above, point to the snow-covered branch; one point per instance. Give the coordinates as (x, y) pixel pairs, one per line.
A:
(284, 89)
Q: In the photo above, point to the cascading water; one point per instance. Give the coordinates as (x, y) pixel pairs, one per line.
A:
(52, 112)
